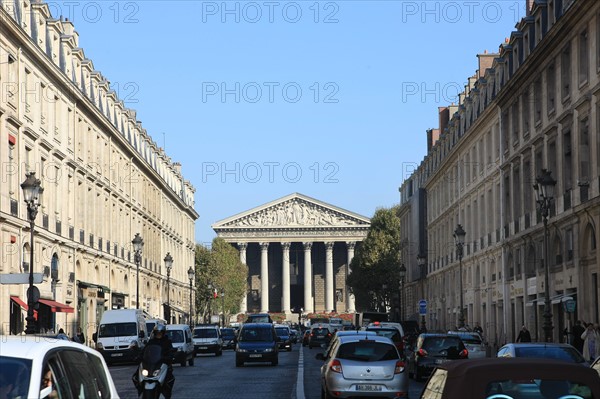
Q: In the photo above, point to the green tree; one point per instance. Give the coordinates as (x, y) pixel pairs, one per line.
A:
(375, 267)
(219, 268)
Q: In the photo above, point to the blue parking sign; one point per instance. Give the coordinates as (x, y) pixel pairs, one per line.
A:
(422, 307)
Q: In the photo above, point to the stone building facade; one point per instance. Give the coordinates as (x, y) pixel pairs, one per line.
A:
(298, 250)
(104, 180)
(534, 105)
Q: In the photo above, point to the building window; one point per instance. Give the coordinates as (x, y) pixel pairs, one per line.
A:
(583, 57)
(551, 86)
(565, 71)
(537, 92)
(569, 244)
(584, 151)
(515, 122)
(525, 101)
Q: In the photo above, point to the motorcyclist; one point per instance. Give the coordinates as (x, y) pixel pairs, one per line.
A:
(160, 338)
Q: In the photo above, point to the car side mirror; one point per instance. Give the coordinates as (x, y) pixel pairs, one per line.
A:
(320, 356)
(95, 337)
(141, 334)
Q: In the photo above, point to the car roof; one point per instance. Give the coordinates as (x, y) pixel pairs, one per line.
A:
(344, 333)
(35, 346)
(482, 371)
(545, 344)
(356, 338)
(206, 326)
(177, 326)
(257, 325)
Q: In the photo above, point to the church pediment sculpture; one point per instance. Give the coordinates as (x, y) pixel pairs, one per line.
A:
(295, 212)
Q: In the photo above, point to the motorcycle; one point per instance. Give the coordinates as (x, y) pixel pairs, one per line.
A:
(152, 374)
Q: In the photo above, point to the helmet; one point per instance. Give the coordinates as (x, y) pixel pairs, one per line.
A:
(160, 328)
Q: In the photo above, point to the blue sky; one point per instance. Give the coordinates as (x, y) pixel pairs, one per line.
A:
(261, 99)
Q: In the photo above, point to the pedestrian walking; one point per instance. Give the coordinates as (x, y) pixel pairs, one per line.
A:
(478, 329)
(79, 337)
(591, 342)
(524, 335)
(578, 330)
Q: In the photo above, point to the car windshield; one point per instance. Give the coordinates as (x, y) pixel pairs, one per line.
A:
(117, 330)
(228, 333)
(175, 335)
(17, 372)
(282, 331)
(550, 352)
(256, 335)
(367, 351)
(205, 333)
(320, 331)
(470, 339)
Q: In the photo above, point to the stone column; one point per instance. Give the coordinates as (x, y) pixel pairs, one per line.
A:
(350, 307)
(308, 300)
(264, 277)
(244, 304)
(329, 277)
(285, 280)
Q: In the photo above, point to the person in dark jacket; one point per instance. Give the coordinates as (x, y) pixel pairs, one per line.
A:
(160, 338)
(524, 335)
(578, 330)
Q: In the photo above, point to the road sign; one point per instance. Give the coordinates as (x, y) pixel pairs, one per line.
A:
(422, 307)
(20, 278)
(569, 305)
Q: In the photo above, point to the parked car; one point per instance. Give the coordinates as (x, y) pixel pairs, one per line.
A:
(257, 342)
(432, 350)
(181, 337)
(228, 337)
(473, 342)
(207, 339)
(564, 352)
(29, 363)
(319, 336)
(363, 366)
(504, 378)
(285, 339)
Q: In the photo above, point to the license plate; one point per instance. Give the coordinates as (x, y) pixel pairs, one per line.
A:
(203, 347)
(320, 336)
(441, 361)
(368, 388)
(116, 354)
(256, 355)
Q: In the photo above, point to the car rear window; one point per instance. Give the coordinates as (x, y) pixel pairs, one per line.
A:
(367, 351)
(524, 388)
(549, 352)
(435, 345)
(320, 331)
(391, 333)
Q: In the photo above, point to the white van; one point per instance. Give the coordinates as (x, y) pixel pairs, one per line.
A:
(181, 338)
(121, 335)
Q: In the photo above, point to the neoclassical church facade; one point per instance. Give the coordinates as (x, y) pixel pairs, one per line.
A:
(298, 251)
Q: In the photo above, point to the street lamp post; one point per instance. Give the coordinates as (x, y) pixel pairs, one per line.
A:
(191, 273)
(459, 238)
(169, 265)
(223, 306)
(401, 275)
(32, 190)
(138, 245)
(422, 262)
(544, 188)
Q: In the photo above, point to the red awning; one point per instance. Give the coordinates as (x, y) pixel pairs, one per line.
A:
(19, 302)
(57, 306)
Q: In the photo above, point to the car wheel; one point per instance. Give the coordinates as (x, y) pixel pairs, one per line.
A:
(239, 363)
(275, 362)
(191, 361)
(219, 353)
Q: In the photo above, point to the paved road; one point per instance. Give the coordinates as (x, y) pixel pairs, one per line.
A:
(217, 377)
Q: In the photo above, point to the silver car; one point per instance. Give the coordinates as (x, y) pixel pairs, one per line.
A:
(360, 365)
(473, 343)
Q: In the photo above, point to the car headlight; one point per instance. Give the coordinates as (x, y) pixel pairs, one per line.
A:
(145, 373)
(180, 349)
(269, 350)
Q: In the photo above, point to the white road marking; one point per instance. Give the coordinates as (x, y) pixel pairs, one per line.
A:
(300, 379)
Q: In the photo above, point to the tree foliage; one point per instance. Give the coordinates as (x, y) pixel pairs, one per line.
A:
(375, 266)
(219, 268)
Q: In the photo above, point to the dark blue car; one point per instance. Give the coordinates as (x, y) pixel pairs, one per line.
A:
(228, 337)
(257, 342)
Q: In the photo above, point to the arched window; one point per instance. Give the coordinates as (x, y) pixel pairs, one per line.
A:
(54, 268)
